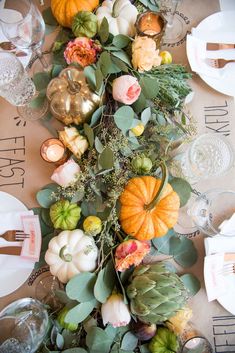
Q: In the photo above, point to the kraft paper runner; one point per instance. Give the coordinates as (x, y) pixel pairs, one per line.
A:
(23, 172)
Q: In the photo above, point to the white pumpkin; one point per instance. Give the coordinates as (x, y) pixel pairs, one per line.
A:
(121, 16)
(70, 253)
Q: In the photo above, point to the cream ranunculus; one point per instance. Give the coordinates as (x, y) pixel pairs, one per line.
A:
(66, 173)
(144, 54)
(115, 311)
(75, 142)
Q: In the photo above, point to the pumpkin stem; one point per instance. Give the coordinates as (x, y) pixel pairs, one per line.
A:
(115, 13)
(74, 87)
(163, 184)
(65, 257)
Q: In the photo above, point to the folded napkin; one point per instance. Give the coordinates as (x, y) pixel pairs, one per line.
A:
(14, 263)
(12, 220)
(213, 276)
(201, 61)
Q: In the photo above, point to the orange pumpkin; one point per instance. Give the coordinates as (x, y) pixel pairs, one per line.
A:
(65, 10)
(144, 216)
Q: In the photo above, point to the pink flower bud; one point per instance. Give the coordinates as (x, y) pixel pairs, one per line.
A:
(126, 89)
(115, 311)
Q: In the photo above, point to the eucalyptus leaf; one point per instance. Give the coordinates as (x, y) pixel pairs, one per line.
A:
(191, 282)
(89, 73)
(162, 244)
(146, 115)
(182, 188)
(89, 134)
(144, 348)
(111, 331)
(45, 198)
(119, 64)
(105, 63)
(41, 80)
(183, 251)
(81, 286)
(45, 214)
(52, 186)
(80, 312)
(140, 104)
(59, 341)
(121, 41)
(149, 5)
(149, 86)
(97, 340)
(123, 56)
(106, 158)
(78, 196)
(123, 118)
(56, 69)
(49, 17)
(98, 79)
(98, 145)
(105, 283)
(96, 115)
(103, 31)
(129, 341)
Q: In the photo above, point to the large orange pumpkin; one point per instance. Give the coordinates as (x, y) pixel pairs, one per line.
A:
(65, 10)
(142, 217)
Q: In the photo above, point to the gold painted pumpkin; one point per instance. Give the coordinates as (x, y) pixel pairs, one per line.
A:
(71, 100)
(65, 10)
(142, 218)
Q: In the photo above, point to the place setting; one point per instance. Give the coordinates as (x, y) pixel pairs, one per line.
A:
(103, 263)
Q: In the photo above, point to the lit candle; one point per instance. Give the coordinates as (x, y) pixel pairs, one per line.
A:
(151, 24)
(52, 150)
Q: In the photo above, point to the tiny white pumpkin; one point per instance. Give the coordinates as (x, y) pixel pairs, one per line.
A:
(121, 16)
(70, 253)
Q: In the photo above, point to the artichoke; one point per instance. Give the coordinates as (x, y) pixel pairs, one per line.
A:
(155, 293)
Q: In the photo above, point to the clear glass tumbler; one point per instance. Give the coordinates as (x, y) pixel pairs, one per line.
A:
(209, 155)
(209, 210)
(24, 324)
(15, 84)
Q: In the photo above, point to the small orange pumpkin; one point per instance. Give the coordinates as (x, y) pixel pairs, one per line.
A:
(65, 10)
(144, 216)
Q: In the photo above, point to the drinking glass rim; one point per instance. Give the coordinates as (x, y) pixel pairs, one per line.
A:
(217, 190)
(23, 19)
(197, 336)
(23, 301)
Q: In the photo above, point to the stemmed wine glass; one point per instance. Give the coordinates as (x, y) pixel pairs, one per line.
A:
(174, 27)
(27, 29)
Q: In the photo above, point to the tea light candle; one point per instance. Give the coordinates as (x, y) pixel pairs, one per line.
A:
(151, 24)
(52, 150)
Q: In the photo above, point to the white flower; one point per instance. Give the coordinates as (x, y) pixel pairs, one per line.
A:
(66, 173)
(75, 142)
(115, 311)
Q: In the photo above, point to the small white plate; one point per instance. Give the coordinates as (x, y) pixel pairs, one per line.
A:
(227, 300)
(215, 28)
(11, 280)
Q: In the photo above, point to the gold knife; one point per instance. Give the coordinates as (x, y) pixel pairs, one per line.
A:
(10, 250)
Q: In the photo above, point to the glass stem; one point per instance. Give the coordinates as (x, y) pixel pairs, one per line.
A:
(40, 56)
(170, 19)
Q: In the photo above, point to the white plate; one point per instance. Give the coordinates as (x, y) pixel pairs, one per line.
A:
(12, 13)
(214, 29)
(11, 280)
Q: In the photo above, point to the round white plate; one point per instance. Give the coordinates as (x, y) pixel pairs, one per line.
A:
(6, 13)
(214, 29)
(10, 280)
(227, 300)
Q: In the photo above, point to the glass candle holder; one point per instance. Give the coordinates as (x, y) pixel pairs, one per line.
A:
(151, 24)
(53, 151)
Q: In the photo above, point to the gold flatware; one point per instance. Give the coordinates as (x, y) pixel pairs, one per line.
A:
(7, 46)
(14, 235)
(10, 250)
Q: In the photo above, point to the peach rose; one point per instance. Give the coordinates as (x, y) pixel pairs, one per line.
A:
(130, 252)
(82, 51)
(66, 173)
(126, 89)
(144, 54)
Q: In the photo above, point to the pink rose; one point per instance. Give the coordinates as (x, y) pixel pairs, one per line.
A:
(82, 51)
(126, 89)
(66, 173)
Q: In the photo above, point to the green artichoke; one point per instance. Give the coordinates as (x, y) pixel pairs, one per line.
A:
(155, 293)
(65, 215)
(164, 341)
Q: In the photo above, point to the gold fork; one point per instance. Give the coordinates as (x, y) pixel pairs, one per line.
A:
(14, 235)
(227, 269)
